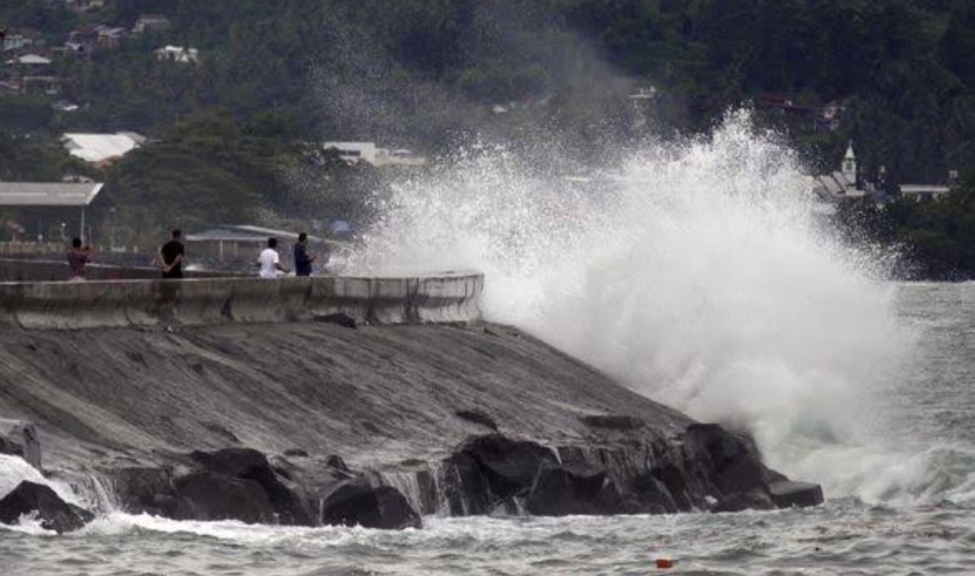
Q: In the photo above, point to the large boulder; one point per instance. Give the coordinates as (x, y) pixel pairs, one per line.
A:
(787, 494)
(19, 438)
(562, 491)
(730, 464)
(356, 503)
(204, 495)
(145, 490)
(652, 495)
(751, 500)
(54, 513)
(247, 464)
(486, 470)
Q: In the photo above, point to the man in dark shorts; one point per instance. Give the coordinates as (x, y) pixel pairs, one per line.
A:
(78, 256)
(173, 256)
(302, 259)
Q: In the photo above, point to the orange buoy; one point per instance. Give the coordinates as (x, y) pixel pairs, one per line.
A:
(665, 563)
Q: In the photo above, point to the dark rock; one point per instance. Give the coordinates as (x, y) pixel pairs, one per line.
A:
(206, 495)
(751, 500)
(296, 453)
(336, 462)
(247, 464)
(652, 495)
(465, 488)
(54, 513)
(145, 490)
(725, 459)
(558, 491)
(786, 494)
(477, 417)
(358, 504)
(611, 421)
(19, 438)
(429, 495)
(509, 466)
(340, 319)
(674, 480)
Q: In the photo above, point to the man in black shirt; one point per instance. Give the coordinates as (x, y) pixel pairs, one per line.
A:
(173, 257)
(302, 259)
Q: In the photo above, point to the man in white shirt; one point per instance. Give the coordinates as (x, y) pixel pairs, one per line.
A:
(270, 261)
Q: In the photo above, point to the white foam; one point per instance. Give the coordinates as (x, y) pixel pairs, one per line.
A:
(699, 275)
(14, 470)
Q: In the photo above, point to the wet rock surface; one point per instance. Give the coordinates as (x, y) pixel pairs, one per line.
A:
(359, 504)
(786, 494)
(403, 419)
(19, 438)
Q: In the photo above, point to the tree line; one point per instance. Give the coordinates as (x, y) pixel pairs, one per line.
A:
(431, 74)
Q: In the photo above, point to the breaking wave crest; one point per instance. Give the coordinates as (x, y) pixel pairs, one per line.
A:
(696, 273)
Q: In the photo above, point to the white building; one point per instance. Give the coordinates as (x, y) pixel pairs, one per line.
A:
(102, 148)
(918, 192)
(30, 60)
(355, 152)
(178, 54)
(842, 184)
(150, 23)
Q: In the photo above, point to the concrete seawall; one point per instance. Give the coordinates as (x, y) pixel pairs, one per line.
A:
(14, 270)
(446, 298)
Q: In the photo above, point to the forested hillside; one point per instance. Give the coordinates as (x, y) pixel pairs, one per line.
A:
(429, 74)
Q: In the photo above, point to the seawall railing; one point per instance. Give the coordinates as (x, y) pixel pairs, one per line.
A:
(442, 298)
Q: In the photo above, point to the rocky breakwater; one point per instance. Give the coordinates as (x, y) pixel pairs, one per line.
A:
(313, 422)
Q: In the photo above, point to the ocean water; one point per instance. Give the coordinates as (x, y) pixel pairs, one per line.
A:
(924, 525)
(698, 274)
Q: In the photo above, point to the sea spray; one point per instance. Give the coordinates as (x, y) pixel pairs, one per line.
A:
(697, 273)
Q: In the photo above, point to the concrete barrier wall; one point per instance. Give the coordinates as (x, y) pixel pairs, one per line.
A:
(445, 298)
(13, 270)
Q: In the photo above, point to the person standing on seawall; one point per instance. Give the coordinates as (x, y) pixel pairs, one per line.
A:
(173, 256)
(302, 260)
(270, 261)
(78, 256)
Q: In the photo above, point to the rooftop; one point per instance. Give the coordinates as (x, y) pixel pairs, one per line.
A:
(101, 147)
(228, 233)
(48, 194)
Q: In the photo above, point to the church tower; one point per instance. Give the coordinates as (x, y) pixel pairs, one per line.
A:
(850, 165)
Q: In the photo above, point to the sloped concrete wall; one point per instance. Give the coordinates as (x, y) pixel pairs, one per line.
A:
(448, 298)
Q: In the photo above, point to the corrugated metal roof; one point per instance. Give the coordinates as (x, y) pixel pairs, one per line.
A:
(48, 194)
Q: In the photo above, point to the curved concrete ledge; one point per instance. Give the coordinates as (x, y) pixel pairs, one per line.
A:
(447, 298)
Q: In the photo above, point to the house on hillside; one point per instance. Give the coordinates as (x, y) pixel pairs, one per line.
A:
(50, 85)
(840, 185)
(30, 62)
(150, 24)
(178, 54)
(81, 6)
(354, 152)
(110, 38)
(924, 192)
(23, 39)
(102, 149)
